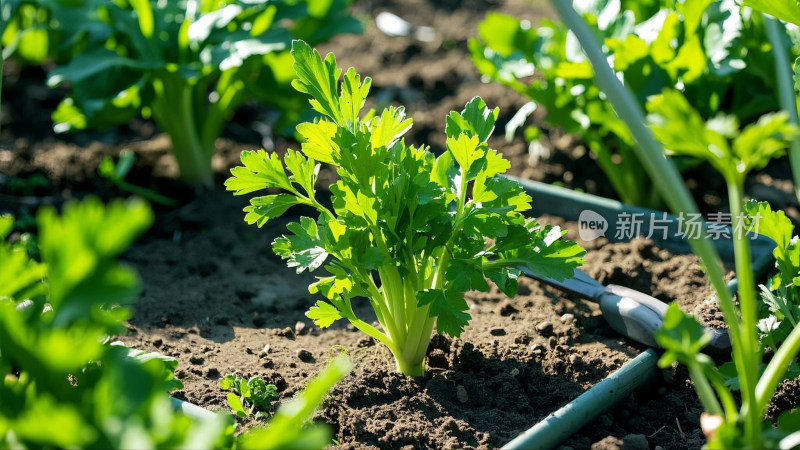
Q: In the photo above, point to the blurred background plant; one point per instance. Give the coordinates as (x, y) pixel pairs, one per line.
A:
(188, 64)
(65, 385)
(706, 49)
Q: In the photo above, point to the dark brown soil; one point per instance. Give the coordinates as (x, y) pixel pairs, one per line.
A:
(517, 361)
(215, 295)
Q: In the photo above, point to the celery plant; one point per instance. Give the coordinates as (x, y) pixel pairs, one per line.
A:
(65, 386)
(409, 231)
(189, 64)
(684, 132)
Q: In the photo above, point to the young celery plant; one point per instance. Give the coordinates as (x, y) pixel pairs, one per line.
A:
(684, 337)
(409, 231)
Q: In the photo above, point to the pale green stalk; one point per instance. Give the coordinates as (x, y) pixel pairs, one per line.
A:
(747, 302)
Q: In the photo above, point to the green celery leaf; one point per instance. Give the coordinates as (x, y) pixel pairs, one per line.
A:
(304, 249)
(627, 51)
(764, 140)
(772, 224)
(682, 336)
(262, 394)
(476, 120)
(683, 132)
(448, 307)
(260, 171)
(391, 125)
(93, 63)
(323, 314)
(226, 383)
(318, 141)
(354, 93)
(263, 209)
(318, 79)
(304, 171)
(466, 275)
(495, 164)
(506, 279)
(501, 195)
(465, 150)
(236, 405)
(21, 277)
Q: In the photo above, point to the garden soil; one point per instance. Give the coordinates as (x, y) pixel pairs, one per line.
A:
(217, 298)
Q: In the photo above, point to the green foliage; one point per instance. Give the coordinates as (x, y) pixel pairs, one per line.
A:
(786, 10)
(780, 312)
(400, 214)
(33, 31)
(249, 395)
(64, 386)
(722, 66)
(189, 64)
(731, 151)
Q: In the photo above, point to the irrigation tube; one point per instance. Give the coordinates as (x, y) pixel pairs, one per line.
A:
(191, 410)
(560, 425)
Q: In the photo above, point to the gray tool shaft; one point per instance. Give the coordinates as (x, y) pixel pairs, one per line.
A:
(629, 312)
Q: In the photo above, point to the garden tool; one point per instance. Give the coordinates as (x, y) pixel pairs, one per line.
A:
(629, 312)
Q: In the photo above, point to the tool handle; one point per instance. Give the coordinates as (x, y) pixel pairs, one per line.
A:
(632, 313)
(639, 316)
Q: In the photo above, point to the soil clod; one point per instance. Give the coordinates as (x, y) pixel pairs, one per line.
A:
(305, 355)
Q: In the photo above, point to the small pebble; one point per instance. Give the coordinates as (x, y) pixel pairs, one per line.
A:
(544, 329)
(300, 328)
(305, 355)
(461, 394)
(567, 318)
(286, 332)
(537, 349)
(266, 349)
